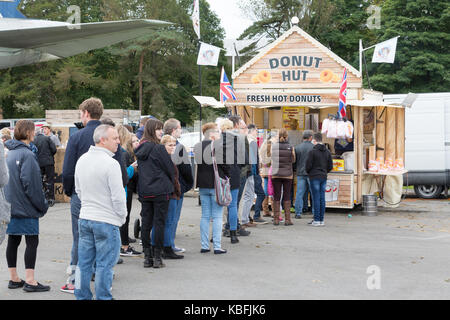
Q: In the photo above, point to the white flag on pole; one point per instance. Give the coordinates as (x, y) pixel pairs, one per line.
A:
(196, 18)
(208, 55)
(385, 51)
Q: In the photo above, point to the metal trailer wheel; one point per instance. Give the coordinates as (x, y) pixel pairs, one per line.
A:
(427, 191)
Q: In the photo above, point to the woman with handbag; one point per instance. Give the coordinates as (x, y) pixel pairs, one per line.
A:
(24, 192)
(206, 178)
(155, 185)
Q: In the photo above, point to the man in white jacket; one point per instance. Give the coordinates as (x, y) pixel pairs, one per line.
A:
(98, 184)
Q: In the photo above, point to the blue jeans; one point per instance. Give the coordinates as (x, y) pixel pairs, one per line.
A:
(210, 210)
(318, 187)
(75, 207)
(233, 210)
(302, 189)
(260, 196)
(99, 243)
(170, 228)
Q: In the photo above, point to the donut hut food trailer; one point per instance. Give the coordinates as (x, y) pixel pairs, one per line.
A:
(295, 84)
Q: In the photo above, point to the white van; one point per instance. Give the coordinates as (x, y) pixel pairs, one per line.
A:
(427, 145)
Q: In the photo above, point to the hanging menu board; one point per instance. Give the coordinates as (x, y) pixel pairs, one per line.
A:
(294, 117)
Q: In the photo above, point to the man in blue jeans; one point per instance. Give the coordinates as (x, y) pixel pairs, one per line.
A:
(301, 154)
(98, 184)
(318, 164)
(91, 110)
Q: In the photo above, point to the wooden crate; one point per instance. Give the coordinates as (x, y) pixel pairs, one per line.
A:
(59, 161)
(345, 196)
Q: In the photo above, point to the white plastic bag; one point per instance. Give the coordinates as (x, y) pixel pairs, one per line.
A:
(325, 125)
(341, 129)
(332, 129)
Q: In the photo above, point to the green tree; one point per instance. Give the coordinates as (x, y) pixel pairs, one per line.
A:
(422, 59)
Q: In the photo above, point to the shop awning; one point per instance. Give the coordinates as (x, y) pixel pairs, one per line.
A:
(209, 102)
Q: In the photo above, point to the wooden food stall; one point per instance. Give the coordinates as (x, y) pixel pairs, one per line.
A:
(63, 125)
(294, 83)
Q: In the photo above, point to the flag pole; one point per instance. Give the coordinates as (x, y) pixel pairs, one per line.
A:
(200, 88)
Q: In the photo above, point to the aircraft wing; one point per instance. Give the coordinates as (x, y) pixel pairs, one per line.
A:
(64, 39)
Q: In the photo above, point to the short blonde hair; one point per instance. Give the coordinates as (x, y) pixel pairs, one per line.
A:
(167, 138)
(6, 134)
(225, 125)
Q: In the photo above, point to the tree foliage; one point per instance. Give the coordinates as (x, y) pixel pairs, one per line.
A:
(168, 75)
(422, 59)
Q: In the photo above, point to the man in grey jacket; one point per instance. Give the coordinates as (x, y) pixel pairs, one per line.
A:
(301, 154)
(98, 184)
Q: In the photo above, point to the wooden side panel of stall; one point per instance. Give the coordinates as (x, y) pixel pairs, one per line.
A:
(390, 135)
(59, 161)
(359, 152)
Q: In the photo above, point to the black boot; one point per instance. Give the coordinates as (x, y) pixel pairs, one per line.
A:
(157, 259)
(233, 237)
(148, 258)
(168, 253)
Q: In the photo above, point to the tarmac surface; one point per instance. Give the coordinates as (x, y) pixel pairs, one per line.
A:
(401, 253)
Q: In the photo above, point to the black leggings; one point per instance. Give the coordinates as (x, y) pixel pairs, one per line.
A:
(30, 250)
(124, 237)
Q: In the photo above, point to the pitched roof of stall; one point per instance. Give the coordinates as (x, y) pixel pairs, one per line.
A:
(313, 41)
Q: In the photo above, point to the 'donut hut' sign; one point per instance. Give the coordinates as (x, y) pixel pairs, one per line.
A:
(294, 70)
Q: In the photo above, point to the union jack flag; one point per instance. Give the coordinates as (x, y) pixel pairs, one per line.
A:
(226, 89)
(343, 95)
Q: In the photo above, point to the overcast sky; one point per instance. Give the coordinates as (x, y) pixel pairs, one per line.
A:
(231, 17)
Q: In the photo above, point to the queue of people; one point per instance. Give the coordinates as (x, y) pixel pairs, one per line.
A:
(105, 165)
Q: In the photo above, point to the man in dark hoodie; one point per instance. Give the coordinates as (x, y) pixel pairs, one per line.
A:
(318, 164)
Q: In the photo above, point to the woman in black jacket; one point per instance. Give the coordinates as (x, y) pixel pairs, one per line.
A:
(155, 185)
(25, 194)
(205, 182)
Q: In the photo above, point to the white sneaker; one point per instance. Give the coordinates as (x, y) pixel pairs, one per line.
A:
(322, 223)
(315, 223)
(181, 250)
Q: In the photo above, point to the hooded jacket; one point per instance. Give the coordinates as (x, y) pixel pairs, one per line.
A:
(46, 150)
(24, 190)
(156, 171)
(319, 162)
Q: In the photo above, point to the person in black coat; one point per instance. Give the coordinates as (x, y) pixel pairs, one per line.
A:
(155, 185)
(318, 164)
(46, 158)
(28, 204)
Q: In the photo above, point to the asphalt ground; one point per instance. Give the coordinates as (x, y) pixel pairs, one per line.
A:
(401, 253)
